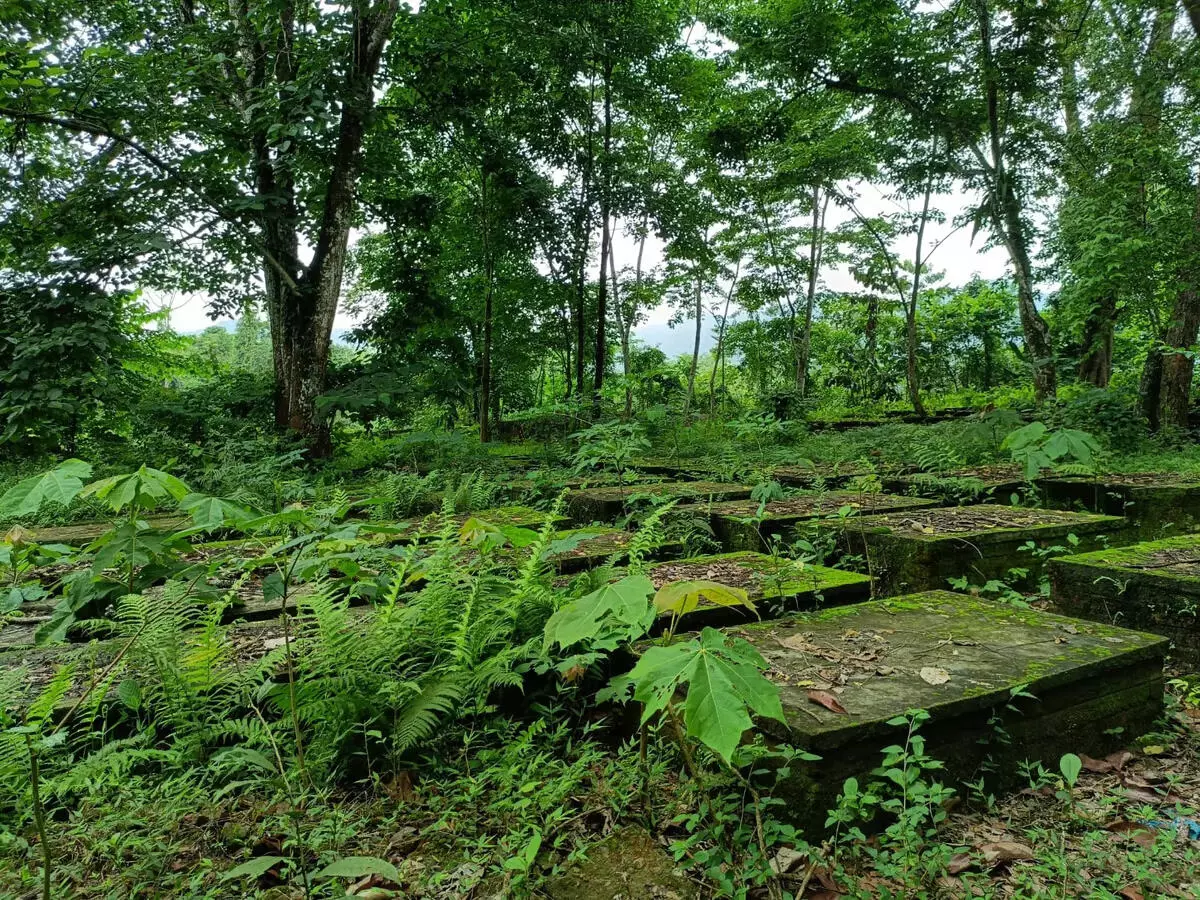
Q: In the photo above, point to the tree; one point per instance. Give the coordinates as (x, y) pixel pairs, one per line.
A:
(253, 115)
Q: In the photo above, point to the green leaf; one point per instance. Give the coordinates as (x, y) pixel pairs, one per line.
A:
(214, 512)
(715, 713)
(683, 597)
(359, 867)
(625, 602)
(253, 868)
(60, 485)
(658, 673)
(1070, 765)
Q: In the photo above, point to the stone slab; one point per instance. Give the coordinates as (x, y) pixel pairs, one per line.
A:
(982, 484)
(428, 528)
(1086, 679)
(775, 585)
(1152, 586)
(733, 526)
(85, 532)
(1157, 504)
(922, 549)
(609, 503)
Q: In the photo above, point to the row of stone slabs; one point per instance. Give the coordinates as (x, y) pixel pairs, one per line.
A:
(1080, 680)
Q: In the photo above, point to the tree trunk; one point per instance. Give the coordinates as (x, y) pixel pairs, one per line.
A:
(605, 242)
(815, 249)
(718, 355)
(302, 301)
(489, 272)
(1145, 113)
(1176, 384)
(691, 388)
(1095, 365)
(911, 373)
(1004, 207)
(623, 328)
(1150, 385)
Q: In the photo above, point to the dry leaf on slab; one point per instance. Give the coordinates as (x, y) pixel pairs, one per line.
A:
(1004, 851)
(934, 675)
(1132, 892)
(827, 700)
(959, 863)
(1132, 830)
(1114, 762)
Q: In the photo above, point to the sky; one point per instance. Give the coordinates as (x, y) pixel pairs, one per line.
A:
(956, 256)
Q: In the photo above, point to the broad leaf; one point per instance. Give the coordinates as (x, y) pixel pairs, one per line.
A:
(60, 485)
(359, 867)
(683, 597)
(253, 868)
(625, 602)
(214, 512)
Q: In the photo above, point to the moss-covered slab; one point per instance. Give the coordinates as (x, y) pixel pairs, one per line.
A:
(1153, 586)
(964, 660)
(606, 504)
(1157, 504)
(774, 584)
(922, 549)
(428, 528)
(698, 467)
(85, 532)
(995, 484)
(626, 865)
(737, 525)
(820, 474)
(585, 548)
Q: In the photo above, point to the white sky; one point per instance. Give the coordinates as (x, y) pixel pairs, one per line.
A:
(957, 257)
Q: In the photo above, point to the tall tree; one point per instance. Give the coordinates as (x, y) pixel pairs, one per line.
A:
(255, 111)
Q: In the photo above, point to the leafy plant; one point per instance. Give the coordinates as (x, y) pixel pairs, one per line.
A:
(1036, 448)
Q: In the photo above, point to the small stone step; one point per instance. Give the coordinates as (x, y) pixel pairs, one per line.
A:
(1158, 504)
(922, 549)
(606, 504)
(820, 475)
(964, 660)
(774, 584)
(1154, 586)
(733, 524)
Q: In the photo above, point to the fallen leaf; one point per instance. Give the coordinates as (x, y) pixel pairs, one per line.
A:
(1132, 830)
(959, 862)
(573, 674)
(934, 675)
(1144, 796)
(1154, 750)
(1131, 892)
(827, 700)
(1004, 851)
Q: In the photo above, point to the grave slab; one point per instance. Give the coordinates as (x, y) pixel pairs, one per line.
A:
(981, 484)
(921, 549)
(85, 532)
(775, 585)
(820, 475)
(734, 524)
(969, 663)
(428, 528)
(1157, 504)
(1152, 586)
(577, 549)
(606, 504)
